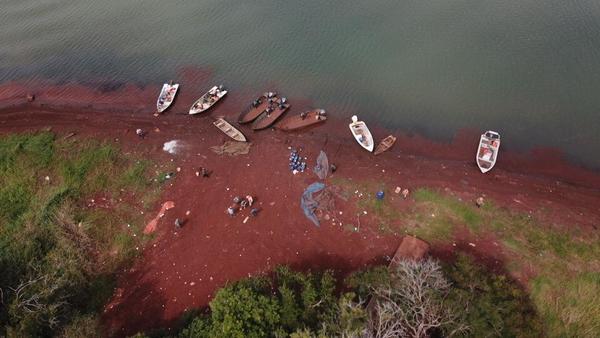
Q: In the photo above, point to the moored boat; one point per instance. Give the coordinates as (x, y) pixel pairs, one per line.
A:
(229, 130)
(208, 100)
(487, 152)
(271, 114)
(385, 144)
(166, 96)
(361, 133)
(257, 107)
(302, 120)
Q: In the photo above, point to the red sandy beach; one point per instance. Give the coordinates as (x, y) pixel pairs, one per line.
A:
(182, 269)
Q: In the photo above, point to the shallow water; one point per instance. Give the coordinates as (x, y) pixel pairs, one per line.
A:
(529, 69)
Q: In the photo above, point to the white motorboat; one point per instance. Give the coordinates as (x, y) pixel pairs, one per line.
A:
(361, 133)
(166, 97)
(208, 100)
(487, 152)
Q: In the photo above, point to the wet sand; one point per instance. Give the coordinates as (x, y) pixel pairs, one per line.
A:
(182, 269)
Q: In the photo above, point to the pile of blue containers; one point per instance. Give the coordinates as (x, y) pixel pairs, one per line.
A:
(296, 162)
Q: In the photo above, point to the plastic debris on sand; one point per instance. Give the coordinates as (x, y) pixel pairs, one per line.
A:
(151, 226)
(172, 147)
(322, 167)
(308, 202)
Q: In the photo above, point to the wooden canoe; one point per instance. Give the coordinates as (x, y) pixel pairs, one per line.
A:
(487, 152)
(302, 120)
(256, 108)
(208, 100)
(166, 96)
(361, 134)
(385, 144)
(229, 130)
(278, 108)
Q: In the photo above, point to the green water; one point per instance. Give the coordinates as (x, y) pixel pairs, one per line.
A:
(529, 69)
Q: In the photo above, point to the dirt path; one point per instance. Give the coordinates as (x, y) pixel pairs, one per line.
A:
(181, 269)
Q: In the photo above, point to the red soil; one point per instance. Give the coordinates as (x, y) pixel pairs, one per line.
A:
(182, 269)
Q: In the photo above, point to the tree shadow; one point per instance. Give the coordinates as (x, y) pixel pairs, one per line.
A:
(134, 308)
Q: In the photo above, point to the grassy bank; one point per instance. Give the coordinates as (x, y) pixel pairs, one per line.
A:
(70, 215)
(560, 263)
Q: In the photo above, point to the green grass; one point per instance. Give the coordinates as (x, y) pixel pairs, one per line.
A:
(448, 209)
(566, 286)
(564, 261)
(384, 211)
(48, 229)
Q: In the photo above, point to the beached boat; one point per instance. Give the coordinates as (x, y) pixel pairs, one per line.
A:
(166, 97)
(385, 144)
(487, 152)
(271, 114)
(302, 120)
(257, 107)
(208, 100)
(229, 130)
(361, 133)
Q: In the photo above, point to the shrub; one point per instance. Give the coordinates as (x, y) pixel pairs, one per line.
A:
(48, 250)
(491, 304)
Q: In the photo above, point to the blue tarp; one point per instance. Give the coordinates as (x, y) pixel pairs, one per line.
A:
(308, 203)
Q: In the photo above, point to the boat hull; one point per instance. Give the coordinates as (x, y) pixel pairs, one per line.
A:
(265, 120)
(252, 112)
(362, 135)
(385, 144)
(213, 96)
(229, 130)
(166, 96)
(298, 122)
(487, 151)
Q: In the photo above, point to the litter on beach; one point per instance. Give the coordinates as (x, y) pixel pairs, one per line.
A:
(151, 226)
(172, 147)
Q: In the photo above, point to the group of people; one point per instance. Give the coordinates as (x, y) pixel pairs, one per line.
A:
(241, 203)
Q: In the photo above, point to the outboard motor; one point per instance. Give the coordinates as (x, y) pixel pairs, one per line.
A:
(221, 87)
(283, 100)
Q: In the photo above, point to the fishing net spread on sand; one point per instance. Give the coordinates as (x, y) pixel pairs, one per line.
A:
(322, 167)
(232, 148)
(318, 200)
(325, 201)
(309, 204)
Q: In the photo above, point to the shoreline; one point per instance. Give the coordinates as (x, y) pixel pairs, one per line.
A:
(214, 249)
(126, 98)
